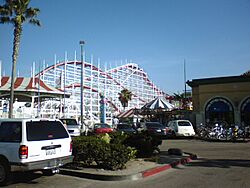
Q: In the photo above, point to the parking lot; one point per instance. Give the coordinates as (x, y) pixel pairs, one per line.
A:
(219, 165)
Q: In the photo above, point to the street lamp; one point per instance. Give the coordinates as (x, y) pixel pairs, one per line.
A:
(82, 68)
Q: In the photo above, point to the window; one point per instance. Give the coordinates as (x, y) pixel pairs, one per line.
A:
(184, 123)
(69, 121)
(219, 110)
(45, 130)
(10, 131)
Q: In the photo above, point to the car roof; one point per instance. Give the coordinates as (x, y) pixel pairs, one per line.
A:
(67, 118)
(27, 119)
(177, 120)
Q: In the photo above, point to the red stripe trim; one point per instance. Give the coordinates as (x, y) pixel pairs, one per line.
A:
(29, 86)
(4, 80)
(127, 113)
(18, 82)
(42, 84)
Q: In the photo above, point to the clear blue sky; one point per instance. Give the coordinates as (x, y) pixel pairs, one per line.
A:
(213, 36)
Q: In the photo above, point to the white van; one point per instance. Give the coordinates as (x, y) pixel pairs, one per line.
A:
(181, 128)
(33, 144)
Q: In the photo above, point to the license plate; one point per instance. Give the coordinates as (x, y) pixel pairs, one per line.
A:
(51, 152)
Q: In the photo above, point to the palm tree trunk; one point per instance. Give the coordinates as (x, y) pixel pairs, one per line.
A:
(16, 44)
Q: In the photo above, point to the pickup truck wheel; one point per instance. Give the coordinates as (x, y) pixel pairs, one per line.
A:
(4, 172)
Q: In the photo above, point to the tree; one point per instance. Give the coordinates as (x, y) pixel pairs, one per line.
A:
(246, 74)
(184, 101)
(180, 98)
(17, 12)
(124, 97)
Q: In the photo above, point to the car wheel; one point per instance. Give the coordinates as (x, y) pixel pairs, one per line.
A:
(50, 172)
(4, 172)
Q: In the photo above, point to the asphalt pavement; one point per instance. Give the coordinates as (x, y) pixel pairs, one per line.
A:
(135, 169)
(139, 168)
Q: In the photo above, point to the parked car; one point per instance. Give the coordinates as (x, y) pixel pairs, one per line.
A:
(100, 128)
(33, 144)
(156, 128)
(181, 128)
(72, 126)
(124, 127)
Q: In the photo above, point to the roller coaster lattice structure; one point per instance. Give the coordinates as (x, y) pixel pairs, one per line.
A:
(66, 75)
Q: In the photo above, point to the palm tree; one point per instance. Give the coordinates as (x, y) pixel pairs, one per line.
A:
(180, 98)
(124, 97)
(17, 12)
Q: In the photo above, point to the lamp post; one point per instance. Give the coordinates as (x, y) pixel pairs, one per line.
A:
(82, 68)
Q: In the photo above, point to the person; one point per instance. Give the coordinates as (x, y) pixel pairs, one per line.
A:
(115, 122)
(65, 124)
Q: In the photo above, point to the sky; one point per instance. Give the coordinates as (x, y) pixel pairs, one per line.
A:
(211, 36)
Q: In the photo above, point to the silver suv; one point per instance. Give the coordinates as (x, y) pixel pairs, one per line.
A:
(33, 144)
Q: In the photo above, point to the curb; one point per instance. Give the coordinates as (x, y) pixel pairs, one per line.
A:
(159, 169)
(136, 176)
(100, 176)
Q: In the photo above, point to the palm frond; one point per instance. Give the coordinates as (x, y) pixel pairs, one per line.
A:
(32, 12)
(5, 19)
(35, 22)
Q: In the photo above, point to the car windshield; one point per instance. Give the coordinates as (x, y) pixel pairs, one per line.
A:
(156, 125)
(69, 121)
(123, 126)
(73, 126)
(184, 123)
(102, 125)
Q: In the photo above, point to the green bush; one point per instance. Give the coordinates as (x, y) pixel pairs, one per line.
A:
(144, 143)
(96, 149)
(118, 137)
(85, 148)
(115, 156)
(113, 151)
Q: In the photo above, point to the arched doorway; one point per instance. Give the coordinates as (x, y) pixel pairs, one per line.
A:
(245, 112)
(219, 110)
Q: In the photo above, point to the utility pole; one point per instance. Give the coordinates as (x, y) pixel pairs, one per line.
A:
(185, 85)
(82, 69)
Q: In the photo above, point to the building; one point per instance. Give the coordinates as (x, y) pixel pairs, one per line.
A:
(223, 99)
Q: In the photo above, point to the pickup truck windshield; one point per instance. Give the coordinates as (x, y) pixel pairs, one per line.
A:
(45, 130)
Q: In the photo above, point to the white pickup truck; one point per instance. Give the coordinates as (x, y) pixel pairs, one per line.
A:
(33, 144)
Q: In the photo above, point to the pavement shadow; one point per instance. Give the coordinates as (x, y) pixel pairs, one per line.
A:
(25, 177)
(166, 158)
(221, 163)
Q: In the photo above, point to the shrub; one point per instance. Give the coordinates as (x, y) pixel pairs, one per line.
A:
(113, 151)
(96, 149)
(144, 143)
(118, 137)
(115, 156)
(85, 148)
